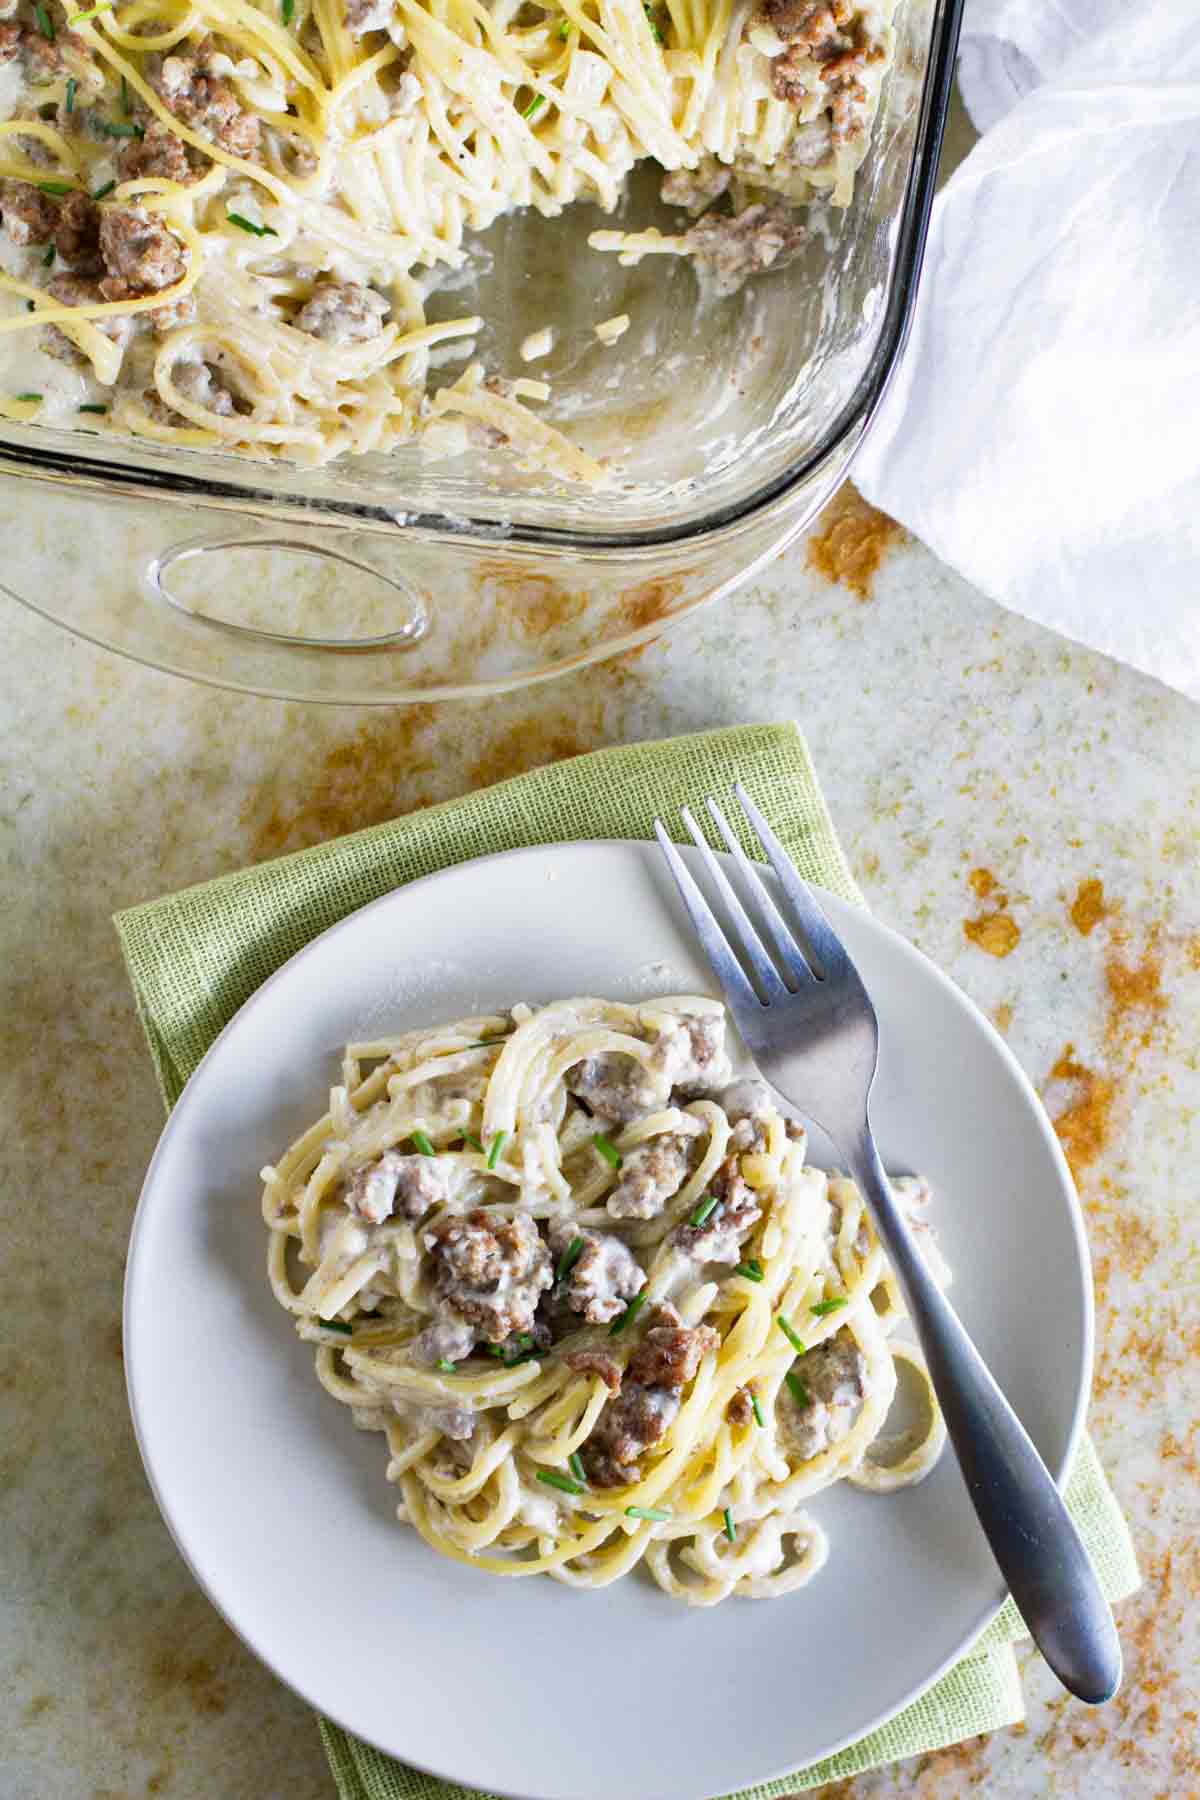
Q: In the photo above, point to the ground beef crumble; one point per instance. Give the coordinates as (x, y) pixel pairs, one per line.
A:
(141, 255)
(651, 1175)
(833, 1378)
(729, 248)
(205, 103)
(719, 1239)
(827, 47)
(409, 1185)
(80, 290)
(490, 1271)
(604, 1275)
(694, 189)
(342, 312)
(160, 156)
(613, 1086)
(670, 1352)
(77, 234)
(591, 1360)
(740, 1409)
(649, 1399)
(30, 215)
(368, 15)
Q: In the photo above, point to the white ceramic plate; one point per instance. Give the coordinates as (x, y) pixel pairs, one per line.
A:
(526, 1686)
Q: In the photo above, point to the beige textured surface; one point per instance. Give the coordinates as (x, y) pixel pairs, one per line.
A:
(984, 777)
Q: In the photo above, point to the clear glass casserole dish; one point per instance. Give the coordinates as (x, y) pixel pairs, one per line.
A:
(391, 578)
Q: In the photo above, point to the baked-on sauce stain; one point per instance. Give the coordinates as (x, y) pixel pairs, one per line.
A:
(1088, 907)
(850, 541)
(996, 932)
(1085, 1124)
(993, 931)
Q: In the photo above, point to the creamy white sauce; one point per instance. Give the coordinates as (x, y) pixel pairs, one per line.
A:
(538, 1511)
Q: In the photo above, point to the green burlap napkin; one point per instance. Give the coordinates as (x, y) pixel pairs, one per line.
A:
(194, 957)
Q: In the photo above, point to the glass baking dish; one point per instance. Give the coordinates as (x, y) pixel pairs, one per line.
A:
(391, 578)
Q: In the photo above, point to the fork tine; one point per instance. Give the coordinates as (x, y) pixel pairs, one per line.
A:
(789, 952)
(744, 1002)
(823, 942)
(744, 932)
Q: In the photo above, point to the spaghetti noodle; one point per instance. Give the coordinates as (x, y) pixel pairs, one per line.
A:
(594, 1298)
(233, 212)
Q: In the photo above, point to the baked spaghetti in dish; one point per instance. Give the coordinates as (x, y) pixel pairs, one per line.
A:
(590, 1291)
(223, 219)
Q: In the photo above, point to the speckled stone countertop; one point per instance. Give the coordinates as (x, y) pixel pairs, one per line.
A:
(1026, 812)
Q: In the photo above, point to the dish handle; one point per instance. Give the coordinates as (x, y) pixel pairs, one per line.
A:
(390, 612)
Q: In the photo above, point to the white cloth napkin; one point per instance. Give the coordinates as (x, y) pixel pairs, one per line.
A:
(1042, 434)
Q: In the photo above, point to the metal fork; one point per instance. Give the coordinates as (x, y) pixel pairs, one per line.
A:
(807, 1019)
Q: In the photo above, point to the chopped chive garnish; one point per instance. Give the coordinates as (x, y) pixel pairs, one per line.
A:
(524, 1340)
(79, 17)
(652, 22)
(792, 1336)
(800, 1393)
(647, 1512)
(423, 1143)
(569, 1258)
(287, 11)
(512, 1362)
(339, 1325)
(113, 128)
(249, 225)
(575, 1464)
(93, 409)
(45, 23)
(497, 1145)
(564, 29)
(29, 397)
(751, 1270)
(553, 1479)
(124, 96)
(102, 193)
(730, 1527)
(55, 187)
(72, 90)
(445, 1365)
(629, 1315)
(607, 1149)
(757, 1409)
(535, 106)
(470, 1139)
(707, 1204)
(823, 1308)
(49, 257)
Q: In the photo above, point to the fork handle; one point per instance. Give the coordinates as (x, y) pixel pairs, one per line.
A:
(1040, 1553)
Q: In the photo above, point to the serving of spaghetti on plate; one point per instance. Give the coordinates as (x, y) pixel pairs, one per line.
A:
(584, 1349)
(282, 1507)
